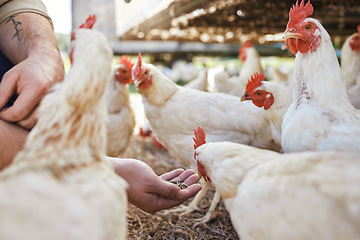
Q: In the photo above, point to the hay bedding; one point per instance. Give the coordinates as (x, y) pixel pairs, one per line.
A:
(168, 226)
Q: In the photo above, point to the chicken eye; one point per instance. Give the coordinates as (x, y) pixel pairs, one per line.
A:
(307, 27)
(258, 93)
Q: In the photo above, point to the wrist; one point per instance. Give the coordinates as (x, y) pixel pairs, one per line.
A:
(45, 51)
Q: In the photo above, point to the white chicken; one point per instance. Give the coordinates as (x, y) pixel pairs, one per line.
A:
(174, 111)
(121, 123)
(61, 185)
(350, 66)
(350, 58)
(321, 116)
(279, 76)
(236, 85)
(275, 98)
(182, 71)
(273, 196)
(200, 82)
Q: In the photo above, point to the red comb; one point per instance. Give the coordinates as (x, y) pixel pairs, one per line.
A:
(255, 81)
(358, 28)
(89, 23)
(199, 138)
(242, 50)
(247, 44)
(139, 60)
(299, 12)
(126, 61)
(137, 70)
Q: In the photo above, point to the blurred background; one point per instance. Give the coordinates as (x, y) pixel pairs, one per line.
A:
(172, 30)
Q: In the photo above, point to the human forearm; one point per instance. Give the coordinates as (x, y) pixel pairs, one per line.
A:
(24, 34)
(28, 40)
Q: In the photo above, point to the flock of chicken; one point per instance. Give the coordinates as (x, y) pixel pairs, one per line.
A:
(284, 157)
(306, 187)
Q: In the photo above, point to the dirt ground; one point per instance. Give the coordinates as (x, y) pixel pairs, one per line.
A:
(165, 225)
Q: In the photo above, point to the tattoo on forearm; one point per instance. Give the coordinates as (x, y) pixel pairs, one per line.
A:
(16, 25)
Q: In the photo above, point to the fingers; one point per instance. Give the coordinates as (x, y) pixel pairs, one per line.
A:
(172, 192)
(188, 192)
(189, 177)
(181, 196)
(192, 179)
(30, 121)
(21, 108)
(172, 174)
(7, 88)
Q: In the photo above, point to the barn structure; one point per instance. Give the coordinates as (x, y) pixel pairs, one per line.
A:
(208, 27)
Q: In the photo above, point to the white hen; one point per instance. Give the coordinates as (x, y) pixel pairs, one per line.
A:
(120, 126)
(350, 58)
(274, 97)
(350, 67)
(235, 85)
(273, 196)
(321, 117)
(61, 186)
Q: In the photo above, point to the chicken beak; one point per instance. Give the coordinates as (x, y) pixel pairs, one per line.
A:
(290, 33)
(245, 97)
(136, 83)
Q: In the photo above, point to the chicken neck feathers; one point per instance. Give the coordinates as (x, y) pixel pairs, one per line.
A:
(321, 105)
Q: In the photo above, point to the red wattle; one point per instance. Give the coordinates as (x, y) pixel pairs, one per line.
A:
(292, 46)
(302, 46)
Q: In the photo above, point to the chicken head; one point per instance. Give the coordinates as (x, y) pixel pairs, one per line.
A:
(355, 41)
(199, 140)
(259, 97)
(123, 73)
(89, 23)
(301, 34)
(141, 75)
(242, 50)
